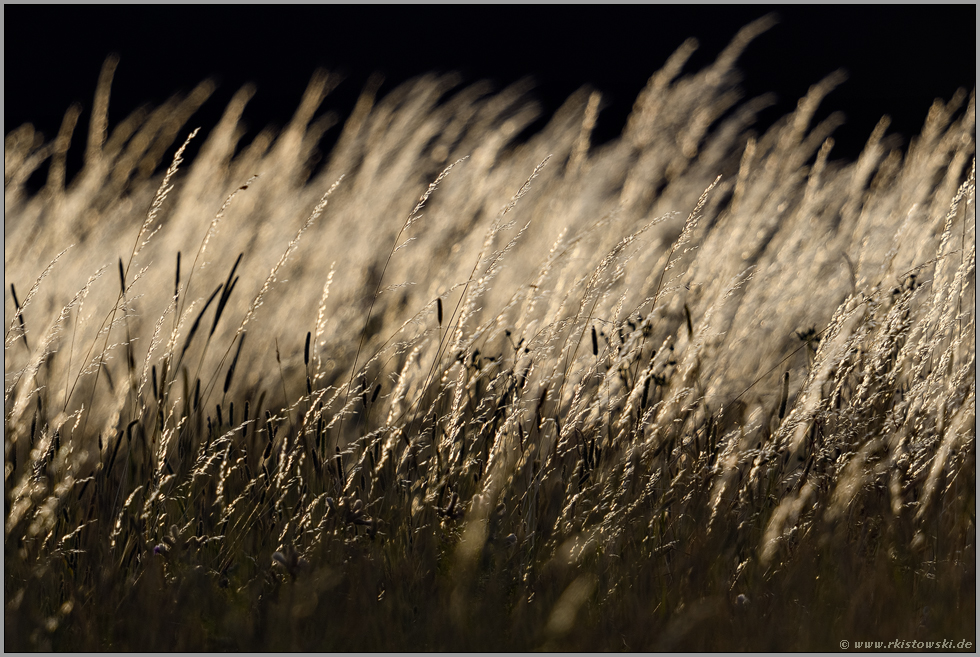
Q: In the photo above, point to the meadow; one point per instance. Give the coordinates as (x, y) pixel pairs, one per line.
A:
(441, 388)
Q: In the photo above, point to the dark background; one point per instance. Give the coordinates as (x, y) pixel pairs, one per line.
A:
(899, 58)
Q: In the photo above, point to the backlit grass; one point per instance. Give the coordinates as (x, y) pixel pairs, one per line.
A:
(696, 389)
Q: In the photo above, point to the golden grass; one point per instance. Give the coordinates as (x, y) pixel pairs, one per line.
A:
(697, 388)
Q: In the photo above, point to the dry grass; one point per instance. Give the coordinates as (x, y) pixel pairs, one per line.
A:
(698, 388)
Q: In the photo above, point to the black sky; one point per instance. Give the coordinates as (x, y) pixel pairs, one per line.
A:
(899, 58)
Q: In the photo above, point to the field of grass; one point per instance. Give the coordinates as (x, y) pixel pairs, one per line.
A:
(697, 388)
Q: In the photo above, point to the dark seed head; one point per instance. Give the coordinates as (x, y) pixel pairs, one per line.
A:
(177, 278)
